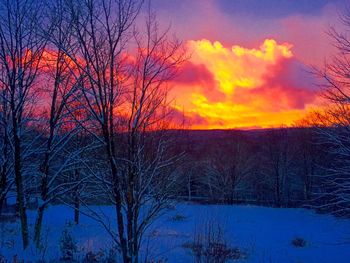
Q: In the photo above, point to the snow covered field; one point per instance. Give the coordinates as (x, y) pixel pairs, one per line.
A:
(265, 234)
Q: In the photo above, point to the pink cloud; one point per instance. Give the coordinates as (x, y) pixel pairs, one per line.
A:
(287, 85)
(196, 77)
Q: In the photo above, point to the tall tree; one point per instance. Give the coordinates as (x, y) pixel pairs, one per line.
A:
(148, 177)
(58, 128)
(125, 97)
(21, 51)
(101, 31)
(333, 125)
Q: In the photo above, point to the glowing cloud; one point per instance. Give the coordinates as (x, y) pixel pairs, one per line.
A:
(237, 87)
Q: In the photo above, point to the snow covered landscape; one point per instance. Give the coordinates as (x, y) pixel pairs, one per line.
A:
(256, 231)
(163, 131)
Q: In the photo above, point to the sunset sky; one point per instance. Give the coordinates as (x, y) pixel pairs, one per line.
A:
(250, 59)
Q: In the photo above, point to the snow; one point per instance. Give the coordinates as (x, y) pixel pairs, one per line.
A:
(264, 233)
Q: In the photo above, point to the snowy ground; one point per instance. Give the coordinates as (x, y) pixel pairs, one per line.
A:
(264, 233)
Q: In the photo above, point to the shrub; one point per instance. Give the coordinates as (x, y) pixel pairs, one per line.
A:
(210, 246)
(178, 217)
(68, 247)
(112, 254)
(299, 242)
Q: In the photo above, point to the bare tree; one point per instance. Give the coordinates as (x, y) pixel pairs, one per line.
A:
(333, 125)
(279, 163)
(230, 166)
(308, 158)
(149, 183)
(126, 97)
(59, 130)
(101, 30)
(20, 53)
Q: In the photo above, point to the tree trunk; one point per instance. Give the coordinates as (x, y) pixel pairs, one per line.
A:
(19, 186)
(42, 207)
(118, 201)
(38, 225)
(2, 201)
(3, 184)
(76, 200)
(278, 190)
(108, 133)
(189, 186)
(130, 199)
(3, 193)
(76, 209)
(120, 223)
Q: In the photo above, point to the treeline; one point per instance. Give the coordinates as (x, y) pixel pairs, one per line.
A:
(287, 167)
(277, 167)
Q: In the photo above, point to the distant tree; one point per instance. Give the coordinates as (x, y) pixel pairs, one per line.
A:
(279, 163)
(230, 165)
(308, 157)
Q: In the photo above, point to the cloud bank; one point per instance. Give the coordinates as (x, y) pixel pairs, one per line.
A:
(235, 87)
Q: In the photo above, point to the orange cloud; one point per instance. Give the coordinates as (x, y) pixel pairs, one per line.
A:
(236, 87)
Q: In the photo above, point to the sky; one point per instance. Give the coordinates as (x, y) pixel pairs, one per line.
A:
(250, 60)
